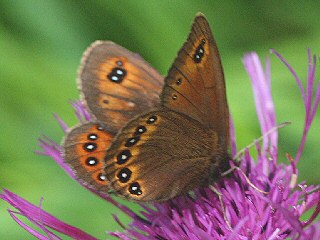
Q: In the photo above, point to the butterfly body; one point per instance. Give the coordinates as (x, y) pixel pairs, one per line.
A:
(148, 143)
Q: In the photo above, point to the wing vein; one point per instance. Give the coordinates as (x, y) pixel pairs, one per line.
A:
(201, 113)
(183, 74)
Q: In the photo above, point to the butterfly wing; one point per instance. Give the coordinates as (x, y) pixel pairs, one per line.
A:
(117, 84)
(184, 143)
(195, 84)
(85, 148)
(156, 157)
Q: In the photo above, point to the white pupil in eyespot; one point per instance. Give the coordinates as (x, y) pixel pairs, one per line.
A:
(93, 137)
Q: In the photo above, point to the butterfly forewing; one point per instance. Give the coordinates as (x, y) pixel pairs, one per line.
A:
(117, 84)
(195, 83)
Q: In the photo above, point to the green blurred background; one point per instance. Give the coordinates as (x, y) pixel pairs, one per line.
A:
(41, 43)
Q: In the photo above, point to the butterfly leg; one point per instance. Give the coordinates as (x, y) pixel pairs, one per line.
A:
(250, 183)
(230, 170)
(233, 168)
(223, 206)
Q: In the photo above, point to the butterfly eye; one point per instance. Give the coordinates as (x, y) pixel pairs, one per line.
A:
(124, 156)
(132, 141)
(124, 175)
(152, 119)
(117, 75)
(92, 136)
(90, 146)
(135, 189)
(92, 161)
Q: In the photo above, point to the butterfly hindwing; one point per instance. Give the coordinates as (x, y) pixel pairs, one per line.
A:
(85, 148)
(117, 84)
(195, 84)
(157, 155)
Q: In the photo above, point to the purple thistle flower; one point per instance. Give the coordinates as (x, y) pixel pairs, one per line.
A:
(250, 213)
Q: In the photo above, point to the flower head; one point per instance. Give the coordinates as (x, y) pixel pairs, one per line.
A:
(245, 213)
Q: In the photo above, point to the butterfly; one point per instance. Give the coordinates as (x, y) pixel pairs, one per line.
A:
(153, 138)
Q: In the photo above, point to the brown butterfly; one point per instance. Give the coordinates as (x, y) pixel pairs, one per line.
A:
(148, 143)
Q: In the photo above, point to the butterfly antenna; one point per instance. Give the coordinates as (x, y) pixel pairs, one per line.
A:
(241, 152)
